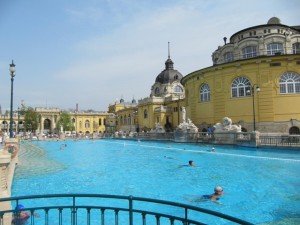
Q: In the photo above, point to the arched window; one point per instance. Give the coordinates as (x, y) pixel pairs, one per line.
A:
(145, 114)
(240, 87)
(204, 93)
(87, 124)
(249, 52)
(178, 89)
(156, 90)
(121, 120)
(228, 57)
(289, 83)
(274, 48)
(125, 121)
(296, 48)
(100, 121)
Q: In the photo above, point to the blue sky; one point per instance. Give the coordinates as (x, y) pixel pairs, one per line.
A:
(93, 52)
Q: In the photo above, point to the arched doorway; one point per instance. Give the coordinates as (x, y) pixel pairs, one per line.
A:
(47, 126)
(294, 130)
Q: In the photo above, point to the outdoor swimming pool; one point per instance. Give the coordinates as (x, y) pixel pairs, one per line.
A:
(260, 185)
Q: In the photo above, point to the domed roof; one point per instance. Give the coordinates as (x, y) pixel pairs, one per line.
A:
(274, 20)
(169, 75)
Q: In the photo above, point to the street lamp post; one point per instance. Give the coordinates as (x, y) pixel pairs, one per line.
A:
(257, 89)
(12, 70)
(18, 120)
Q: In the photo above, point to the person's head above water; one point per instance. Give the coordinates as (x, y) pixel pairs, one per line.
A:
(191, 163)
(218, 190)
(19, 207)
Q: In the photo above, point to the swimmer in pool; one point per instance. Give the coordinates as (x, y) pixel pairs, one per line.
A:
(191, 164)
(218, 192)
(212, 150)
(168, 157)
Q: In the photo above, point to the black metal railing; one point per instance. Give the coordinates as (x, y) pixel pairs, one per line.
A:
(80, 209)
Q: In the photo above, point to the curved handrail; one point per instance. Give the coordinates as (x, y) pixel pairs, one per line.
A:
(185, 219)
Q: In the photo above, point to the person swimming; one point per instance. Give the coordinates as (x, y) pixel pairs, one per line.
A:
(215, 197)
(191, 164)
(212, 150)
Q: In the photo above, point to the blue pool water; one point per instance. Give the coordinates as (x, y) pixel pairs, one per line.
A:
(260, 185)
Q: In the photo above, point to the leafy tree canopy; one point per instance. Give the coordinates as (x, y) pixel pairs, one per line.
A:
(30, 119)
(65, 122)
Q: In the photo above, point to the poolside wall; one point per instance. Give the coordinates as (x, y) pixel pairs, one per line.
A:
(8, 162)
(247, 139)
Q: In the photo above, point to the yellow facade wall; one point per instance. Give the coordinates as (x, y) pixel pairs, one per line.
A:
(270, 105)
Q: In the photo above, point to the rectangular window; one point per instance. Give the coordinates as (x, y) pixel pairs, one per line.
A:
(282, 88)
(275, 49)
(296, 48)
(228, 57)
(297, 87)
(290, 88)
(234, 92)
(249, 52)
(241, 91)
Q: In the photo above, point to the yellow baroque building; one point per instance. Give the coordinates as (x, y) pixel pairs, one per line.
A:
(254, 80)
(162, 108)
(91, 122)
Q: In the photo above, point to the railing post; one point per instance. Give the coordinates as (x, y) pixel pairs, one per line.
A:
(73, 212)
(130, 211)
(102, 216)
(116, 217)
(185, 216)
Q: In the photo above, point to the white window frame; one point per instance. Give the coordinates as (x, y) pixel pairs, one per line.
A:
(204, 93)
(274, 48)
(249, 52)
(289, 83)
(240, 87)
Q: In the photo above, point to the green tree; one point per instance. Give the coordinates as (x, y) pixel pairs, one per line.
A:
(30, 119)
(65, 122)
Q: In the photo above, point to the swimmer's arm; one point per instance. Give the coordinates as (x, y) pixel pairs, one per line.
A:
(36, 214)
(214, 200)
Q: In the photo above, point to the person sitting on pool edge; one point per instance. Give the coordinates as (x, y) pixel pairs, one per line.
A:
(218, 192)
(21, 216)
